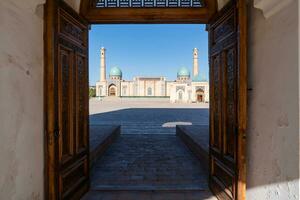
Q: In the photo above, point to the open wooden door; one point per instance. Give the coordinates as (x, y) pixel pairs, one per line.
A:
(228, 100)
(66, 102)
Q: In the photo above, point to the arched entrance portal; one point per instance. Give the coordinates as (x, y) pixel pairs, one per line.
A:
(112, 90)
(179, 96)
(200, 95)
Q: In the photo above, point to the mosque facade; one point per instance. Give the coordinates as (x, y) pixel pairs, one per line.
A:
(186, 88)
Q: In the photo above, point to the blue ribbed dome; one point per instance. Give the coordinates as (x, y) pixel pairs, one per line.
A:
(115, 71)
(183, 71)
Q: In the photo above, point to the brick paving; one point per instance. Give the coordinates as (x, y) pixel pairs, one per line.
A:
(151, 120)
(151, 162)
(148, 161)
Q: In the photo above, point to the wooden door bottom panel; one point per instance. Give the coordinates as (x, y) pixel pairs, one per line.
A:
(74, 177)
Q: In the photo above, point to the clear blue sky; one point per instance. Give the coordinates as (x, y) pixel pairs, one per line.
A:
(147, 50)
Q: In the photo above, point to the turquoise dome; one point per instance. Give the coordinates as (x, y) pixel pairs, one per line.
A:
(115, 71)
(199, 78)
(183, 71)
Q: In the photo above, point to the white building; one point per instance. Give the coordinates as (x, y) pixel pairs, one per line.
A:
(185, 88)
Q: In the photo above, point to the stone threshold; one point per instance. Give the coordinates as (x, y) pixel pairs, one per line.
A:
(149, 195)
(142, 187)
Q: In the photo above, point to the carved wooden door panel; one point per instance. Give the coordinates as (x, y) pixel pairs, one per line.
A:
(227, 41)
(66, 86)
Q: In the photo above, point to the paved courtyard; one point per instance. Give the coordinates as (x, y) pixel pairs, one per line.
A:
(147, 117)
(148, 161)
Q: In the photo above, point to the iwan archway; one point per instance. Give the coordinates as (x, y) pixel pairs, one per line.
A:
(66, 86)
(112, 90)
(200, 95)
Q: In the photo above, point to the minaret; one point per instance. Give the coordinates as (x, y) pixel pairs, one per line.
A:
(195, 67)
(102, 65)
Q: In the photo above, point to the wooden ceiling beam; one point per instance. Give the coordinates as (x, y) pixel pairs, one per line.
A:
(156, 15)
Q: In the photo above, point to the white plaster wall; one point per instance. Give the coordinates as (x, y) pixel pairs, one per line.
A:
(102, 84)
(21, 100)
(206, 90)
(131, 88)
(273, 126)
(168, 87)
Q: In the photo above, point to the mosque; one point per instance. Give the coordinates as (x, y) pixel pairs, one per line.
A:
(185, 89)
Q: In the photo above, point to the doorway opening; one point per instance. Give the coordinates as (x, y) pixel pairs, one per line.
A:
(66, 105)
(112, 90)
(200, 95)
(154, 72)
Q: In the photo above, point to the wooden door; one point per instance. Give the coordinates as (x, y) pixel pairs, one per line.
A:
(66, 102)
(228, 98)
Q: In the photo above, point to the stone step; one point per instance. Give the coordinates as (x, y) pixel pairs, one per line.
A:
(141, 187)
(147, 195)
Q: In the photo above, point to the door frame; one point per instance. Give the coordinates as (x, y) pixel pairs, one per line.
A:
(140, 16)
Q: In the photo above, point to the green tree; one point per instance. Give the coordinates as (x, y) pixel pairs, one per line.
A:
(92, 92)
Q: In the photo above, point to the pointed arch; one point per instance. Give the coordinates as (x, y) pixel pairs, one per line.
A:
(112, 90)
